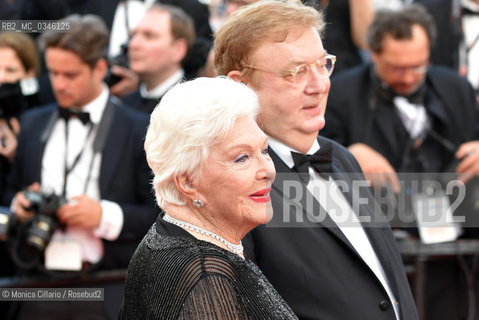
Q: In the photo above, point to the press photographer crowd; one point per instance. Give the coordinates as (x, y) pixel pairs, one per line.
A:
(239, 159)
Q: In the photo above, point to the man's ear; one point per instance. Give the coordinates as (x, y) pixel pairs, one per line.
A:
(240, 76)
(100, 69)
(235, 75)
(180, 50)
(186, 186)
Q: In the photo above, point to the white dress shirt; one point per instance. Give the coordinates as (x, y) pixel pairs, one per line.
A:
(470, 27)
(160, 90)
(53, 164)
(340, 211)
(413, 116)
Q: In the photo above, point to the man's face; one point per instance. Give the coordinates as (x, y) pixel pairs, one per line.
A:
(152, 47)
(290, 112)
(402, 64)
(73, 81)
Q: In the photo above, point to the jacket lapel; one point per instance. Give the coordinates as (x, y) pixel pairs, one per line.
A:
(372, 220)
(299, 207)
(387, 124)
(112, 149)
(45, 128)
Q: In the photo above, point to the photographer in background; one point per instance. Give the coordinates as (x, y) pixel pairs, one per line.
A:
(159, 46)
(400, 113)
(86, 148)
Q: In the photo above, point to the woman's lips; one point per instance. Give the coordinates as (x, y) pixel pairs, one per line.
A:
(261, 196)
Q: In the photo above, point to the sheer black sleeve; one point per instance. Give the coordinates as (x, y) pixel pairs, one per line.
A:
(213, 297)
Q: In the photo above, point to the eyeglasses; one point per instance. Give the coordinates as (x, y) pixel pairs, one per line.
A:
(299, 74)
(419, 70)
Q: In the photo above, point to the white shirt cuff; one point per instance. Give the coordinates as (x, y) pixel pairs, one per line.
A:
(111, 221)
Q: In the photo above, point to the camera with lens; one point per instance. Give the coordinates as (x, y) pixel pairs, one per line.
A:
(27, 241)
(45, 221)
(119, 60)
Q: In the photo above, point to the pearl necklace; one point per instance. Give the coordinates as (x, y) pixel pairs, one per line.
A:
(235, 248)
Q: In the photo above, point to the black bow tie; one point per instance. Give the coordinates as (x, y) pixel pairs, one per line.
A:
(467, 11)
(66, 114)
(321, 161)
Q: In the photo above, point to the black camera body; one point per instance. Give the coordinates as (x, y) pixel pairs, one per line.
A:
(121, 60)
(45, 221)
(27, 241)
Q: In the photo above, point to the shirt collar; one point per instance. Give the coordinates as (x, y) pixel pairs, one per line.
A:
(284, 152)
(95, 107)
(161, 89)
(471, 5)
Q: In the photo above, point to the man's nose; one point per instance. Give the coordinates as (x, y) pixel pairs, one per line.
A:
(318, 81)
(58, 82)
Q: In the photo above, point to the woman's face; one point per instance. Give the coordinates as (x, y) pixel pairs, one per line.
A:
(11, 67)
(236, 180)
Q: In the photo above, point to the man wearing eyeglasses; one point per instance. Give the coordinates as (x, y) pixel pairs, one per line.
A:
(322, 261)
(408, 122)
(400, 114)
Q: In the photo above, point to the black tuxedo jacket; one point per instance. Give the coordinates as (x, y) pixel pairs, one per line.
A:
(352, 116)
(135, 100)
(124, 173)
(312, 264)
(146, 105)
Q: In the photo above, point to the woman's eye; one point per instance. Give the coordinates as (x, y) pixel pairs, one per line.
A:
(265, 151)
(243, 158)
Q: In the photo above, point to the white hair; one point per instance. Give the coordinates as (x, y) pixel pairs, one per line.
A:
(191, 117)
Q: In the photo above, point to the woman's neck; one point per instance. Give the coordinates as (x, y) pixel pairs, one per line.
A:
(195, 224)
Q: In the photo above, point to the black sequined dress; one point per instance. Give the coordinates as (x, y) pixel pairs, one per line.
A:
(173, 275)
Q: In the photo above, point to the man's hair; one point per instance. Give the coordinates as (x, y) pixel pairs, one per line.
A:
(87, 38)
(256, 23)
(24, 47)
(190, 119)
(398, 24)
(182, 26)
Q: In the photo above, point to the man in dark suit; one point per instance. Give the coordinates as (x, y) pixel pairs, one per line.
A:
(402, 117)
(320, 253)
(87, 148)
(401, 114)
(159, 46)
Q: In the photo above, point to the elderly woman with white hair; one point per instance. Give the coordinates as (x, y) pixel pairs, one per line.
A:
(212, 177)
